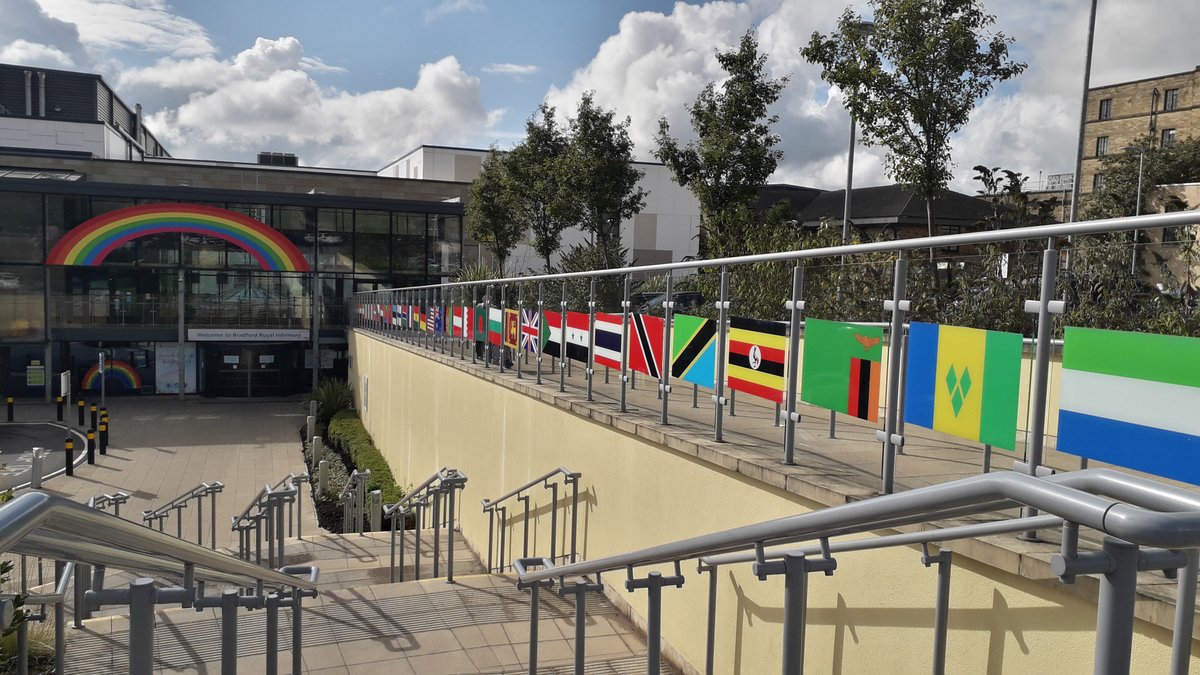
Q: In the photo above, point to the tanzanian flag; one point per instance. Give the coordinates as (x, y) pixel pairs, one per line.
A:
(841, 367)
(964, 381)
(757, 357)
(694, 349)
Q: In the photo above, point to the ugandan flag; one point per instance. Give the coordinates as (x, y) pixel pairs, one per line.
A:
(512, 328)
(757, 351)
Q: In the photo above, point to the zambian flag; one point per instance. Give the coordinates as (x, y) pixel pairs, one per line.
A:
(757, 357)
(841, 367)
(964, 381)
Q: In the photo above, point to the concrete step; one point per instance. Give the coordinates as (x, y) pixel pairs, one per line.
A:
(480, 624)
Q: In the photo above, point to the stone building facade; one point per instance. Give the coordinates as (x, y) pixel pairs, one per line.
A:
(1166, 108)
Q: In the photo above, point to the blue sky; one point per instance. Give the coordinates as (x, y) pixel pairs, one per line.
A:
(355, 84)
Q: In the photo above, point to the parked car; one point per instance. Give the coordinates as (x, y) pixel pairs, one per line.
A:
(682, 299)
(9, 281)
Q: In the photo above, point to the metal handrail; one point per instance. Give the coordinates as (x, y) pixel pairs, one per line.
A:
(492, 506)
(199, 491)
(102, 502)
(975, 494)
(36, 523)
(445, 481)
(491, 503)
(1149, 221)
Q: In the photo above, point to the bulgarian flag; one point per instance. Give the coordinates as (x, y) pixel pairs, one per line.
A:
(841, 367)
(495, 325)
(1132, 399)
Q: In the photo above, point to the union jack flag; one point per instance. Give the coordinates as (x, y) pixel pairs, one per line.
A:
(530, 330)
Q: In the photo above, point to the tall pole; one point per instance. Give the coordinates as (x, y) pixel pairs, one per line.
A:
(1137, 210)
(1083, 111)
(181, 373)
(316, 308)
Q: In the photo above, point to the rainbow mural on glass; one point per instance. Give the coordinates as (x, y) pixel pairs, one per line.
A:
(115, 372)
(91, 242)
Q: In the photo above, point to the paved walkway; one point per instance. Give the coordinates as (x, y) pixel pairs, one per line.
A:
(161, 447)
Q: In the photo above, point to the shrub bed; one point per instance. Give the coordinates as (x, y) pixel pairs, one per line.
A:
(350, 437)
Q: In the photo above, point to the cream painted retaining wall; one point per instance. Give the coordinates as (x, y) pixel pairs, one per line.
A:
(875, 614)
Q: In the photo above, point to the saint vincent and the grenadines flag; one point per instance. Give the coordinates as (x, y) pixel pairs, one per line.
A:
(757, 357)
(1132, 399)
(964, 381)
(841, 367)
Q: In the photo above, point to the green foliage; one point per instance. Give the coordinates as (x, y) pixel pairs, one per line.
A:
(912, 81)
(332, 396)
(537, 183)
(41, 649)
(476, 271)
(1178, 163)
(492, 216)
(734, 153)
(585, 257)
(347, 432)
(600, 175)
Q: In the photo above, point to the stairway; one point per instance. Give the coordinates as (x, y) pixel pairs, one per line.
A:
(361, 623)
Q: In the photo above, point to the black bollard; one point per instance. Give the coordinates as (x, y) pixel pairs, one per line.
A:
(91, 446)
(8, 400)
(58, 400)
(103, 437)
(95, 414)
(79, 404)
(107, 426)
(69, 447)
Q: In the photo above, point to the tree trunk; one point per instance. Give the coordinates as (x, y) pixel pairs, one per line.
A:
(929, 222)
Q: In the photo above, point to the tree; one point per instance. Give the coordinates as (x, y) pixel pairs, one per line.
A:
(912, 80)
(601, 176)
(536, 183)
(1177, 163)
(492, 218)
(734, 153)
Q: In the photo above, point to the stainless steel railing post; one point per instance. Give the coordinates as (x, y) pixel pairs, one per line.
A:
(722, 332)
(533, 628)
(941, 610)
(491, 538)
(1114, 611)
(795, 608)
(1185, 614)
(141, 626)
(664, 361)
(450, 530)
(437, 532)
(590, 373)
(795, 307)
(297, 630)
(416, 544)
(624, 346)
(553, 518)
(710, 641)
(272, 605)
(503, 524)
(524, 526)
(229, 633)
(653, 583)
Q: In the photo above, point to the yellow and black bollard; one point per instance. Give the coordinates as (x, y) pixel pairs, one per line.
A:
(8, 400)
(69, 447)
(80, 404)
(103, 432)
(58, 401)
(91, 446)
(95, 415)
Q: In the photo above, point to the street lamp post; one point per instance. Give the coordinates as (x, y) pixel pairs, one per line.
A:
(316, 309)
(1137, 209)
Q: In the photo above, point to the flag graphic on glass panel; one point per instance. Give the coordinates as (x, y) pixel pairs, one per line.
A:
(964, 381)
(645, 343)
(397, 315)
(694, 349)
(608, 340)
(531, 332)
(841, 367)
(757, 357)
(435, 320)
(1132, 399)
(495, 328)
(512, 328)
(462, 321)
(480, 330)
(413, 320)
(577, 335)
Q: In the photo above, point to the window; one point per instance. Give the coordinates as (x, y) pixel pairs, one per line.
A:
(1098, 182)
(1106, 109)
(1101, 146)
(1168, 137)
(1170, 100)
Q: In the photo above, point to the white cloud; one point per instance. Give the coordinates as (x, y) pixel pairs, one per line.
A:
(265, 98)
(140, 25)
(510, 69)
(28, 53)
(447, 7)
(656, 63)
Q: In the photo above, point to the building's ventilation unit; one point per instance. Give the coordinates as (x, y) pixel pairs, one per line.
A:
(278, 159)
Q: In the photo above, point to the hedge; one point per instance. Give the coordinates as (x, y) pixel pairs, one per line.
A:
(350, 436)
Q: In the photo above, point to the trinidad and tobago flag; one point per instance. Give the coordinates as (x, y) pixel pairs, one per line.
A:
(646, 344)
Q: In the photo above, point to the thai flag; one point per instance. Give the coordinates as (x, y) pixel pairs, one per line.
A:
(608, 340)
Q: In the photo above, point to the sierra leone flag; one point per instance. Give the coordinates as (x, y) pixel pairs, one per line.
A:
(1132, 399)
(964, 381)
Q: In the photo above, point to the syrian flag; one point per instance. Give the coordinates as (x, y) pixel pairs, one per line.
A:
(577, 335)
(608, 340)
(462, 321)
(646, 344)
